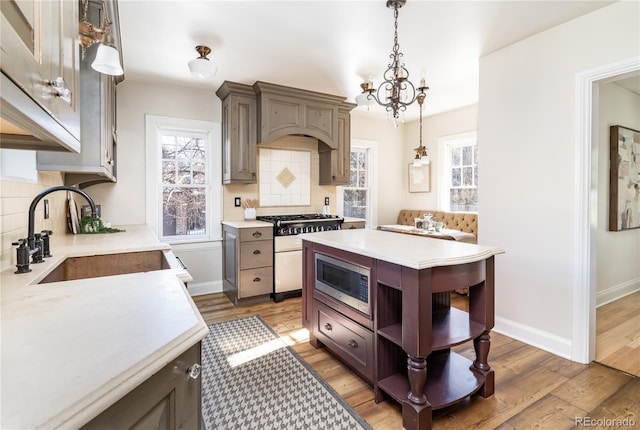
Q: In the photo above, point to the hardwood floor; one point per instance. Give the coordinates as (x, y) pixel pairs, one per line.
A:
(533, 388)
(618, 334)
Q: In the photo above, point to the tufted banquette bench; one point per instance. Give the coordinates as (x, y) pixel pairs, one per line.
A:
(463, 221)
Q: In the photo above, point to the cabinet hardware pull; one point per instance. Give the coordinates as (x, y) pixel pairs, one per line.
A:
(194, 370)
(257, 234)
(256, 252)
(60, 89)
(328, 327)
(256, 279)
(353, 344)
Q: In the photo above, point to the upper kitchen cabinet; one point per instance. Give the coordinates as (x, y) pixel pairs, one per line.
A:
(96, 161)
(39, 58)
(265, 112)
(335, 164)
(239, 137)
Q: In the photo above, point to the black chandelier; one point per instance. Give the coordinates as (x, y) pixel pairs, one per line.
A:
(396, 92)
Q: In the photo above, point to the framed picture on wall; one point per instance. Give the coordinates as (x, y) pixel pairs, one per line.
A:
(624, 178)
(419, 178)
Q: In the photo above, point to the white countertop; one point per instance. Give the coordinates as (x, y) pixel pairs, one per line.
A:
(247, 224)
(69, 350)
(406, 250)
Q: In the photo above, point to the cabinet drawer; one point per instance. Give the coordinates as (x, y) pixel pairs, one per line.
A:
(260, 233)
(350, 341)
(256, 254)
(255, 282)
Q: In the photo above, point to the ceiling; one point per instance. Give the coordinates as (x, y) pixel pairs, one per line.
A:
(331, 46)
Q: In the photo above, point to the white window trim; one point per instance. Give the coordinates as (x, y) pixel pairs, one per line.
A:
(445, 143)
(372, 213)
(153, 125)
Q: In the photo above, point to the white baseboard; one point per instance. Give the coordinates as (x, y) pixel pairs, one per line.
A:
(540, 339)
(202, 288)
(617, 292)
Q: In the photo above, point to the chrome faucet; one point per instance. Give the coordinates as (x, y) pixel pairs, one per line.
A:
(37, 244)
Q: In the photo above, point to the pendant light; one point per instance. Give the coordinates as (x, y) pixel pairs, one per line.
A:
(421, 158)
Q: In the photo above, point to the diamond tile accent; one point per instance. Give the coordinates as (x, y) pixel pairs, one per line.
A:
(285, 177)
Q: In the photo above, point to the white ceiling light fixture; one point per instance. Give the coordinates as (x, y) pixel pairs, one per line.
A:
(396, 92)
(202, 67)
(422, 158)
(107, 59)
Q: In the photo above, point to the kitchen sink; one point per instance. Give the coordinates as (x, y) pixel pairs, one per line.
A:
(95, 266)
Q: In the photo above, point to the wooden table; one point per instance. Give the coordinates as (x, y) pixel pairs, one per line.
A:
(445, 233)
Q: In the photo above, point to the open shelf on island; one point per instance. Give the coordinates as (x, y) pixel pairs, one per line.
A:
(392, 332)
(452, 327)
(450, 378)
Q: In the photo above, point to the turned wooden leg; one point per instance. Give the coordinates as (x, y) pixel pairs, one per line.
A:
(416, 411)
(481, 345)
(417, 373)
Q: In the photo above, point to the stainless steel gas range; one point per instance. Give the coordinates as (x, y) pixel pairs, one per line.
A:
(287, 259)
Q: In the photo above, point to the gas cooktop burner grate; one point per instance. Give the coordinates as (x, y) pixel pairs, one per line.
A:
(285, 225)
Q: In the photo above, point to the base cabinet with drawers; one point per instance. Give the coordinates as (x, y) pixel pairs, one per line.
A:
(403, 349)
(352, 223)
(247, 261)
(168, 400)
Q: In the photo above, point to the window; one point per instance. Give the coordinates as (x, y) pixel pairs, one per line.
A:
(459, 177)
(183, 186)
(356, 199)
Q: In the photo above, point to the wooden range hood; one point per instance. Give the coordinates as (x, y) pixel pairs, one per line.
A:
(265, 112)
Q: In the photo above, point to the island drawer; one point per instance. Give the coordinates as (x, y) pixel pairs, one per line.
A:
(350, 341)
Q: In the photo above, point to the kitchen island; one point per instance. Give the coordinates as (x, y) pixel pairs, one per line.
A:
(73, 349)
(400, 340)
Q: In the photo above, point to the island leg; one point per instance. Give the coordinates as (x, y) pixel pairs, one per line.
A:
(481, 345)
(416, 411)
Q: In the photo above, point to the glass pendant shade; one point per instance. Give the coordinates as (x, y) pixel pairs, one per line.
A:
(363, 99)
(107, 61)
(202, 68)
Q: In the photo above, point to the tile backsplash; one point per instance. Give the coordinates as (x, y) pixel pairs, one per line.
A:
(15, 198)
(315, 193)
(284, 178)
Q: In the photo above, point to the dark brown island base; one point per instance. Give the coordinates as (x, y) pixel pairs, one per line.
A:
(380, 302)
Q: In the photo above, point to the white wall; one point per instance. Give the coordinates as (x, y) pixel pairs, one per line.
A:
(527, 183)
(618, 266)
(391, 166)
(434, 127)
(124, 202)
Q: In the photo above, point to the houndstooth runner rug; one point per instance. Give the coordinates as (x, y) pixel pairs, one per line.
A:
(251, 379)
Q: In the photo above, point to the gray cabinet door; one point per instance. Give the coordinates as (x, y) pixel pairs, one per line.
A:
(169, 400)
(239, 135)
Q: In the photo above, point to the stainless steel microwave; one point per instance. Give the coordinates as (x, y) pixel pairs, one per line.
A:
(346, 282)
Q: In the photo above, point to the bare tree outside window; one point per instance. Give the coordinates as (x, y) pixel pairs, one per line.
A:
(463, 189)
(356, 194)
(184, 184)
